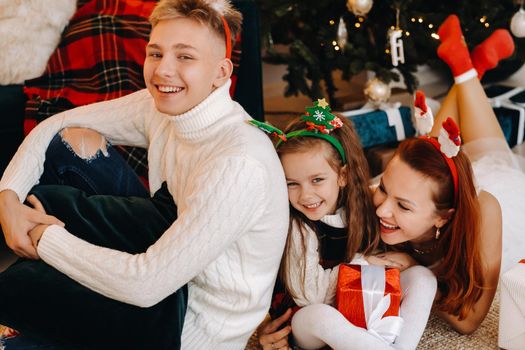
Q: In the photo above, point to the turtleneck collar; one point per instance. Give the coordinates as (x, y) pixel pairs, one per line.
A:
(336, 220)
(196, 122)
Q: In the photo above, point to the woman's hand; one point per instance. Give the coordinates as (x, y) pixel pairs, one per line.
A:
(399, 260)
(271, 337)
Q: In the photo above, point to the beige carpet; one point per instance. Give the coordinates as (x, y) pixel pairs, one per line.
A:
(438, 335)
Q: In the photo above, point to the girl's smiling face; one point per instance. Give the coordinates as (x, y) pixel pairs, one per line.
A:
(404, 205)
(313, 185)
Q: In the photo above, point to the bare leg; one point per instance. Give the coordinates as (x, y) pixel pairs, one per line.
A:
(469, 106)
(449, 108)
(474, 114)
(477, 119)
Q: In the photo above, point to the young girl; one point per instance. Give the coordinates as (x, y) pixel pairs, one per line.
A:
(456, 228)
(332, 219)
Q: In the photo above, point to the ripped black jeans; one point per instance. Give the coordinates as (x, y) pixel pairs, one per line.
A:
(102, 201)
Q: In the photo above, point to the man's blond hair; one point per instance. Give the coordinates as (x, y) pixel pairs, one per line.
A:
(208, 12)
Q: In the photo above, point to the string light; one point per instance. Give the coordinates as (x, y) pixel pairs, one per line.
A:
(361, 19)
(483, 19)
(334, 43)
(357, 24)
(412, 19)
(392, 27)
(487, 25)
(332, 22)
(387, 51)
(407, 33)
(430, 26)
(420, 20)
(435, 36)
(336, 48)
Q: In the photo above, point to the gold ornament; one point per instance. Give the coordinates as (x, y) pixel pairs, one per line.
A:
(376, 91)
(321, 102)
(359, 7)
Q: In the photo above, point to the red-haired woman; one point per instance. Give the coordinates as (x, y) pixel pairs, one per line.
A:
(432, 211)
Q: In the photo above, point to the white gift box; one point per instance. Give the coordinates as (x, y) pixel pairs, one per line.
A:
(512, 308)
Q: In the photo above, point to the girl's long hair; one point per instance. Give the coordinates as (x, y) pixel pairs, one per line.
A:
(355, 197)
(459, 271)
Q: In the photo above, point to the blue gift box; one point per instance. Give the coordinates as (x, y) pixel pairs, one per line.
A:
(381, 126)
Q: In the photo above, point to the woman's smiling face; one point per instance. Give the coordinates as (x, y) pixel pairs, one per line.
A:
(404, 205)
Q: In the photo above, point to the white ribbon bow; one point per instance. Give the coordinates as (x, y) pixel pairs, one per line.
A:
(376, 304)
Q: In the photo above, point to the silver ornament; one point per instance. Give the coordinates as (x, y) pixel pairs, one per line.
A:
(342, 34)
(517, 24)
(376, 91)
(359, 7)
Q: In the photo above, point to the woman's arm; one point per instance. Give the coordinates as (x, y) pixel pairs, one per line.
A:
(490, 246)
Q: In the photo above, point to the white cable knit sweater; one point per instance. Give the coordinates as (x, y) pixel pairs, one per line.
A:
(232, 221)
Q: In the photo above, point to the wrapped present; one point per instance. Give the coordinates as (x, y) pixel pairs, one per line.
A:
(509, 106)
(369, 296)
(388, 124)
(512, 308)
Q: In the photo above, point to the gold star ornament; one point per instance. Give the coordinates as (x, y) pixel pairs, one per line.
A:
(321, 102)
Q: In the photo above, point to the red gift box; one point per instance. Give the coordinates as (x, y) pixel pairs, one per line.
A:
(361, 287)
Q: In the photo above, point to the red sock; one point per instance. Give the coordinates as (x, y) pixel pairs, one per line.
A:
(453, 49)
(498, 46)
(450, 28)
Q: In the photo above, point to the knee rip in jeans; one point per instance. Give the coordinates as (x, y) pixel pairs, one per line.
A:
(85, 143)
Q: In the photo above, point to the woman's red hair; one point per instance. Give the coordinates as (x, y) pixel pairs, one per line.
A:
(459, 271)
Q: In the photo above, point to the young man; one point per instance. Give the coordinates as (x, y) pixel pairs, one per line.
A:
(224, 176)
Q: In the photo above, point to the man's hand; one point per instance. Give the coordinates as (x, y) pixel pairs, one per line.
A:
(271, 337)
(36, 233)
(18, 219)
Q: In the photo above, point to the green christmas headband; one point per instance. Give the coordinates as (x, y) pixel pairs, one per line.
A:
(319, 123)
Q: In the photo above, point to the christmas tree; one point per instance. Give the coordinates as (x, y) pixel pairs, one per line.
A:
(314, 33)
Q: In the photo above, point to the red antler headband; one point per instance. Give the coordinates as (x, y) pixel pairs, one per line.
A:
(221, 6)
(450, 163)
(228, 37)
(448, 142)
